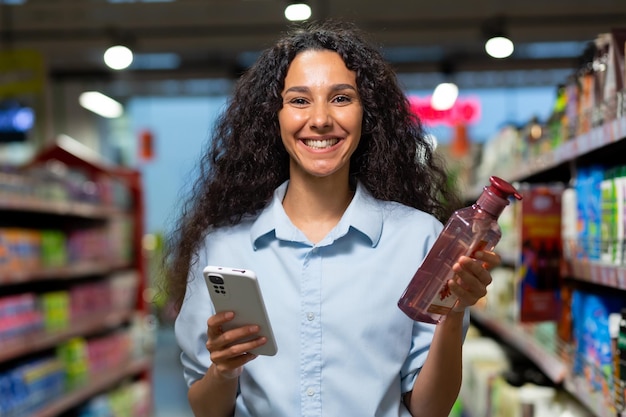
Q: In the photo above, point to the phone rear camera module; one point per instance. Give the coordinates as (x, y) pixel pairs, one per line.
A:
(215, 279)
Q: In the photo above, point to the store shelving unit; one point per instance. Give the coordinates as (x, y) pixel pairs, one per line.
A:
(98, 384)
(553, 362)
(603, 143)
(41, 340)
(41, 213)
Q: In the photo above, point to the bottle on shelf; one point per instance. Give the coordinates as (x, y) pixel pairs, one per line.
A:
(427, 298)
(621, 362)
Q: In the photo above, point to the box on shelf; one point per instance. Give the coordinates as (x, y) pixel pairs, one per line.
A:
(539, 222)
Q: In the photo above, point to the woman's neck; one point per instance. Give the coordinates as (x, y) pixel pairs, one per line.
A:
(315, 205)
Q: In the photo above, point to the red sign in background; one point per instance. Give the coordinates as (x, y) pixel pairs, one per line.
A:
(464, 111)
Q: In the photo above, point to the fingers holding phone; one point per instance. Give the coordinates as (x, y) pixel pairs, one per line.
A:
(230, 349)
(241, 324)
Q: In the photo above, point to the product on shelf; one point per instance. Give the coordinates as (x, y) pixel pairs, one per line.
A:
(617, 377)
(613, 195)
(19, 316)
(30, 385)
(621, 365)
(539, 217)
(483, 360)
(593, 213)
(55, 307)
(129, 400)
(592, 353)
(73, 355)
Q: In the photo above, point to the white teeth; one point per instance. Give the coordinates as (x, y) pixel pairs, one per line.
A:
(320, 144)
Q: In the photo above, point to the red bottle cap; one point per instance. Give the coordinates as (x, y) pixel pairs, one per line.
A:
(495, 197)
(502, 188)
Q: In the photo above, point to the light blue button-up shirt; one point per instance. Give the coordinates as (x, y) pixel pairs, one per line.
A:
(344, 347)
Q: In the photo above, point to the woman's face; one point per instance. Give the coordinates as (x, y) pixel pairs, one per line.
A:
(320, 121)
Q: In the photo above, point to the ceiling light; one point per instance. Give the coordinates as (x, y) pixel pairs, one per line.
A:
(118, 57)
(444, 96)
(499, 47)
(494, 31)
(100, 104)
(297, 12)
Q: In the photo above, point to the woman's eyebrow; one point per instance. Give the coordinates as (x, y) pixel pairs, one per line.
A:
(336, 87)
(297, 89)
(339, 87)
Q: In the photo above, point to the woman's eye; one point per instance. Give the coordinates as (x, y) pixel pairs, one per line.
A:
(299, 101)
(342, 99)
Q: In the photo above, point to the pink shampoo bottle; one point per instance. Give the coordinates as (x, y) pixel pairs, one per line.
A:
(427, 298)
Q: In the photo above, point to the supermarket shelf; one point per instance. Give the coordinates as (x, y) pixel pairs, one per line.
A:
(98, 383)
(608, 275)
(520, 337)
(60, 208)
(594, 401)
(597, 138)
(40, 340)
(75, 270)
(120, 217)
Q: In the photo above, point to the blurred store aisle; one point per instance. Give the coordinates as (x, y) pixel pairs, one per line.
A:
(170, 390)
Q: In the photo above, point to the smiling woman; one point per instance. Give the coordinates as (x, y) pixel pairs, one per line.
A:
(320, 126)
(320, 179)
(320, 122)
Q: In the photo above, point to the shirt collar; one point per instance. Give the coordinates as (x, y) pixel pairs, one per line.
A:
(364, 214)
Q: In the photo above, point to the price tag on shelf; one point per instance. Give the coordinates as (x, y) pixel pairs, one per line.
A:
(595, 274)
(620, 128)
(608, 133)
(584, 143)
(608, 276)
(603, 275)
(596, 138)
(565, 152)
(621, 278)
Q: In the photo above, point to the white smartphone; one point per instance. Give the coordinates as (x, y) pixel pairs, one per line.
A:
(238, 290)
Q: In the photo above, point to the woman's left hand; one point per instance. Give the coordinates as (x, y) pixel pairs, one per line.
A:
(472, 277)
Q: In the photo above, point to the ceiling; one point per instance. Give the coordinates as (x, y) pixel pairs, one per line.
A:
(218, 38)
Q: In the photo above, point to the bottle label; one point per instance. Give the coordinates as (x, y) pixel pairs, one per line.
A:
(443, 301)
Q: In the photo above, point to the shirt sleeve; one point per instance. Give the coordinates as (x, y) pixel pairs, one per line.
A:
(190, 326)
(422, 339)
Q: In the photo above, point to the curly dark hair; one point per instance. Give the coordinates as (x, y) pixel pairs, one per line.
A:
(246, 160)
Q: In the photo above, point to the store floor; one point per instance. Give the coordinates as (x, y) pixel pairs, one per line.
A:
(170, 390)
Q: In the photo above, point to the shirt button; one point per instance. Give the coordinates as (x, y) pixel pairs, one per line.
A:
(310, 316)
(310, 392)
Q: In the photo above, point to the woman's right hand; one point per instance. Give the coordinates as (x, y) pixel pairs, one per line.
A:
(228, 352)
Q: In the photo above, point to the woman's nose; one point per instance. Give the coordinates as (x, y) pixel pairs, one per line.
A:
(320, 116)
